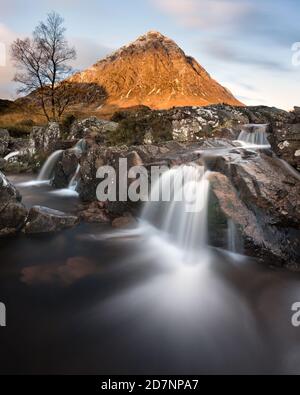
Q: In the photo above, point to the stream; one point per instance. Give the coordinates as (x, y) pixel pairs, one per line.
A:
(91, 300)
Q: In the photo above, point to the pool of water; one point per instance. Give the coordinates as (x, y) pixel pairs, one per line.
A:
(95, 301)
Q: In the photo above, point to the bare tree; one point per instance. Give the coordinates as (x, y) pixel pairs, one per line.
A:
(42, 62)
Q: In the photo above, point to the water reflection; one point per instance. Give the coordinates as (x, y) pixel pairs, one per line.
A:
(66, 274)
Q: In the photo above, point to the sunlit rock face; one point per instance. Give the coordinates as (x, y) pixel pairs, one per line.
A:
(155, 72)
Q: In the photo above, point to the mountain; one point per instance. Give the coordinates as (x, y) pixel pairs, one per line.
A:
(153, 71)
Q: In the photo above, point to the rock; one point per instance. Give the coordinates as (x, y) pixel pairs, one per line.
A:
(124, 222)
(45, 138)
(261, 195)
(285, 142)
(134, 159)
(95, 213)
(190, 124)
(65, 169)
(12, 212)
(297, 114)
(99, 155)
(44, 220)
(92, 129)
(148, 138)
(4, 142)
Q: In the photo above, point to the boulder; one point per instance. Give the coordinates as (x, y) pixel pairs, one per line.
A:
(297, 114)
(95, 212)
(44, 220)
(12, 212)
(261, 196)
(285, 142)
(92, 129)
(125, 222)
(65, 169)
(44, 139)
(4, 142)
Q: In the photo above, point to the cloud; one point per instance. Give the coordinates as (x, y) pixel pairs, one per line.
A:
(88, 52)
(229, 53)
(7, 87)
(206, 13)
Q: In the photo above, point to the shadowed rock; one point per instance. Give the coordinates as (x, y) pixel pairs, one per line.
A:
(12, 212)
(45, 220)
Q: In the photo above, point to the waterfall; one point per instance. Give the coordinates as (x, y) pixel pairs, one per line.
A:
(80, 147)
(47, 170)
(12, 155)
(183, 218)
(74, 181)
(253, 134)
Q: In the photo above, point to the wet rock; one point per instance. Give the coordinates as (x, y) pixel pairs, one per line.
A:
(261, 196)
(65, 169)
(12, 212)
(125, 222)
(44, 220)
(95, 213)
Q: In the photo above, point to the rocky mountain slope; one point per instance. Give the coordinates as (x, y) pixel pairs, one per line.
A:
(153, 71)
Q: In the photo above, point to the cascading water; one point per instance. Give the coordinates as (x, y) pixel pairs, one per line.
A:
(253, 134)
(12, 155)
(80, 147)
(181, 207)
(47, 170)
(75, 179)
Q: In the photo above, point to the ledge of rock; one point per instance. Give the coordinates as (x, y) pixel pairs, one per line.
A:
(261, 196)
(45, 220)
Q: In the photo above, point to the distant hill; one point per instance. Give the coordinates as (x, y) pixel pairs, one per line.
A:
(153, 71)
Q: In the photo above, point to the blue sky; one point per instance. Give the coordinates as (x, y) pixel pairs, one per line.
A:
(244, 44)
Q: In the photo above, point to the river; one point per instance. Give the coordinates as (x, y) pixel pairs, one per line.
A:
(93, 301)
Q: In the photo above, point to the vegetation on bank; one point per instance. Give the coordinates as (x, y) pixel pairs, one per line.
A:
(134, 126)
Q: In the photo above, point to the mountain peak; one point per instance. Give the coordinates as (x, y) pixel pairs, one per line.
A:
(154, 35)
(154, 71)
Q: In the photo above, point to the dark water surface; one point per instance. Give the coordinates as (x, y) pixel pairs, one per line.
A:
(82, 302)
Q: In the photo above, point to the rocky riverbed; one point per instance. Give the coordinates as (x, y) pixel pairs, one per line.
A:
(255, 189)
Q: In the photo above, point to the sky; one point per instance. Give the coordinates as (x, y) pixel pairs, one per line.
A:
(246, 45)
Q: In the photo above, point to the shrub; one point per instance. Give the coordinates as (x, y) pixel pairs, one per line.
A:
(134, 125)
